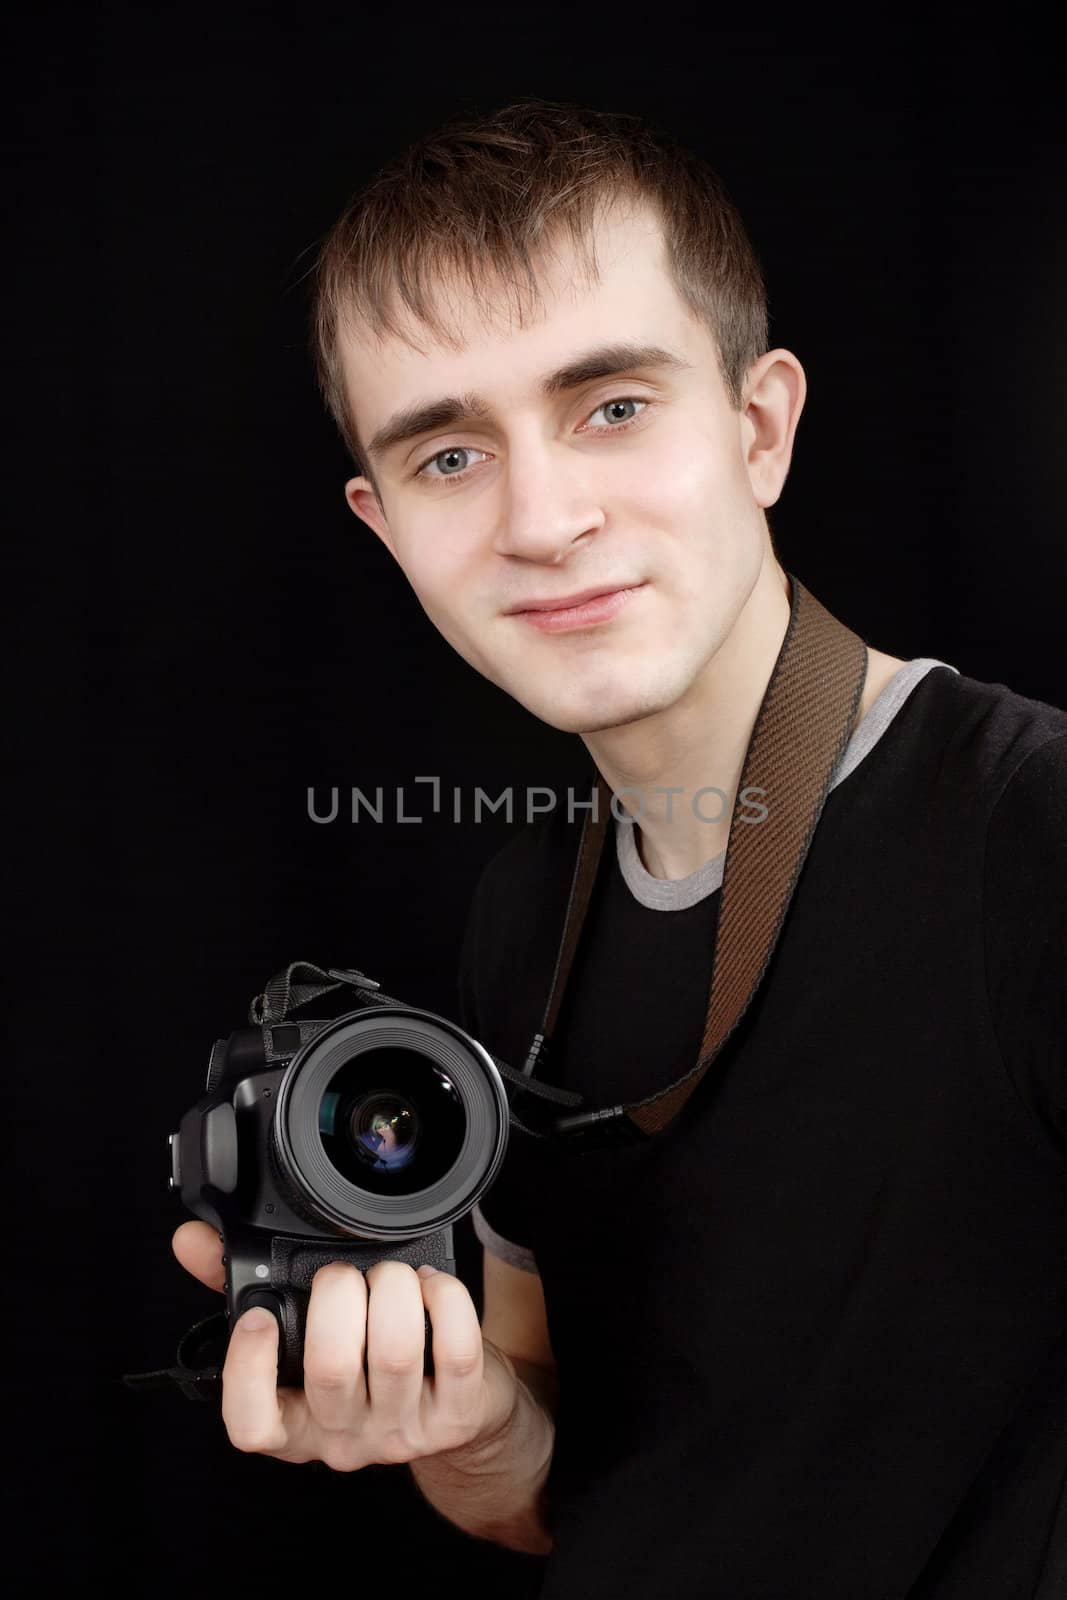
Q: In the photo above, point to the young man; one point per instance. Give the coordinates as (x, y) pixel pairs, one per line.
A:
(811, 1341)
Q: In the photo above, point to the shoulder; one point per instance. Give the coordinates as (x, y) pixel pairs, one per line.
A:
(983, 733)
(1027, 834)
(1024, 917)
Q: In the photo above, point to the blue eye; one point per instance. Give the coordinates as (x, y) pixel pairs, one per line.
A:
(453, 450)
(624, 402)
(461, 450)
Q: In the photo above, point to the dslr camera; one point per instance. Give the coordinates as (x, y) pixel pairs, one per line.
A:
(349, 1138)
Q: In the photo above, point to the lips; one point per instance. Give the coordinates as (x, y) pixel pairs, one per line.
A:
(565, 602)
(596, 607)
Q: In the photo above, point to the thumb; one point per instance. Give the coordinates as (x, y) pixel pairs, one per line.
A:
(199, 1249)
(256, 1320)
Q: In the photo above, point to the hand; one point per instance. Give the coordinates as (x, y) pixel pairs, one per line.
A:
(343, 1417)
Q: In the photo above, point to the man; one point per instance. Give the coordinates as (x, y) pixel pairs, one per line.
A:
(811, 1341)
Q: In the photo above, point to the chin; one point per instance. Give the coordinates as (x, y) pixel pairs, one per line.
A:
(583, 714)
(594, 694)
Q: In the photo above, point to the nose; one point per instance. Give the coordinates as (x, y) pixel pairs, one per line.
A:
(545, 506)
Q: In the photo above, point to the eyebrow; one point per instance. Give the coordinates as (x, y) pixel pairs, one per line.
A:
(450, 411)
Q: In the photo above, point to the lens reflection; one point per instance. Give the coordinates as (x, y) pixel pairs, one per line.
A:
(391, 1122)
(384, 1129)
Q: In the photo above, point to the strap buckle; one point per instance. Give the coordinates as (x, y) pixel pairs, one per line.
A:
(610, 1128)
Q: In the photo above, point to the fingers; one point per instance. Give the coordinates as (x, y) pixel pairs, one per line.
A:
(396, 1341)
(334, 1342)
(455, 1403)
(344, 1416)
(199, 1249)
(251, 1408)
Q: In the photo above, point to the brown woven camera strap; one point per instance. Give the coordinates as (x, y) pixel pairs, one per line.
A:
(801, 730)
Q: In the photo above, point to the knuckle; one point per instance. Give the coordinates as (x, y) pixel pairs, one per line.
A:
(396, 1366)
(396, 1446)
(330, 1380)
(247, 1442)
(460, 1366)
(343, 1456)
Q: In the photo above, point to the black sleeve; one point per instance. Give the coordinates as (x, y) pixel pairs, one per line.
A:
(1025, 929)
(498, 1218)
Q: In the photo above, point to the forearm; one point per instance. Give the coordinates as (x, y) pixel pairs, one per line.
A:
(496, 1489)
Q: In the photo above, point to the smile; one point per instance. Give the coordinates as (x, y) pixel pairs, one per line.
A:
(586, 614)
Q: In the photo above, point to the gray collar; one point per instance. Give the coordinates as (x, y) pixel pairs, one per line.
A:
(675, 894)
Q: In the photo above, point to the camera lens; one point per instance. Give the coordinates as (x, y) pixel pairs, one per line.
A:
(391, 1122)
(384, 1130)
(388, 1123)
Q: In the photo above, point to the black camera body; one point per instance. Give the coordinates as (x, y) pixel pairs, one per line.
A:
(356, 1138)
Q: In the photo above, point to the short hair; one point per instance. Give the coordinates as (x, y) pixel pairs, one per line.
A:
(482, 195)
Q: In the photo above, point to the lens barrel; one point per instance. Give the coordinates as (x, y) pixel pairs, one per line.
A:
(389, 1123)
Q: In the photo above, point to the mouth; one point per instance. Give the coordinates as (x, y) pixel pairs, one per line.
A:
(583, 610)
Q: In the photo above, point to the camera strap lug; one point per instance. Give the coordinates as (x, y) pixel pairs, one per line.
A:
(284, 994)
(596, 1129)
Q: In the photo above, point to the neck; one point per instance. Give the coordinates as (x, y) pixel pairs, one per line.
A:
(700, 741)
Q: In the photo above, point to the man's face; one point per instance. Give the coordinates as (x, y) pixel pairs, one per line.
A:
(645, 479)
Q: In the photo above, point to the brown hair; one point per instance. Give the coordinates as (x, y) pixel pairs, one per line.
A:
(482, 196)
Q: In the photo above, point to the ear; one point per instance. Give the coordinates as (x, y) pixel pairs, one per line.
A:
(775, 390)
(363, 500)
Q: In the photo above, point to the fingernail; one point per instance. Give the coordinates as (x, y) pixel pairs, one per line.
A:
(426, 1272)
(255, 1319)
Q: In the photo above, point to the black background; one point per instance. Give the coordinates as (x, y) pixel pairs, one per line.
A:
(202, 630)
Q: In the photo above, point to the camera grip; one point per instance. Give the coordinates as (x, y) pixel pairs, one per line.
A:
(289, 1307)
(293, 1265)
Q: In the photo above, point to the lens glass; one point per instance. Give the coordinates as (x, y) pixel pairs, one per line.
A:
(391, 1121)
(383, 1130)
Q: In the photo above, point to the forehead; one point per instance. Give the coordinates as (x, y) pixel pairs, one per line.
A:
(502, 351)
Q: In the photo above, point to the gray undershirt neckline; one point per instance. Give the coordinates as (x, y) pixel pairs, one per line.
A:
(676, 894)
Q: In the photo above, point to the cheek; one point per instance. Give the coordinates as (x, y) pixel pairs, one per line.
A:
(687, 472)
(441, 569)
(433, 560)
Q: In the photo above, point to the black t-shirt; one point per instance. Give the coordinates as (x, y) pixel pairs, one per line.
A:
(812, 1339)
